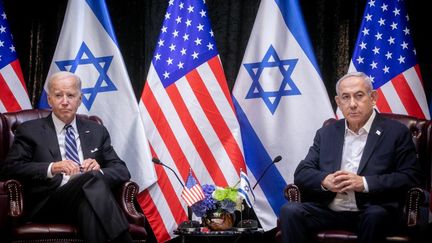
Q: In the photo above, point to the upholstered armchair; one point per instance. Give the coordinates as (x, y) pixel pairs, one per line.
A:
(421, 131)
(13, 204)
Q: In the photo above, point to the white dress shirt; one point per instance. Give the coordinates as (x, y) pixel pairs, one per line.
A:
(354, 144)
(61, 134)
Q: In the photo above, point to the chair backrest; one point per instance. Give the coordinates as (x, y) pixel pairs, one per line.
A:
(11, 120)
(421, 131)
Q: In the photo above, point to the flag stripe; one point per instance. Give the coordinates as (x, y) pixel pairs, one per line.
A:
(389, 58)
(13, 91)
(406, 96)
(217, 121)
(7, 97)
(389, 92)
(415, 82)
(170, 195)
(185, 90)
(153, 217)
(18, 72)
(163, 127)
(195, 135)
(273, 184)
(216, 67)
(382, 104)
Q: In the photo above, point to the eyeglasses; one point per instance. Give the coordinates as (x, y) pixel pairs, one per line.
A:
(358, 97)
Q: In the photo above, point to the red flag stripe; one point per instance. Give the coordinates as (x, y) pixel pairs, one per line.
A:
(163, 127)
(196, 136)
(153, 217)
(170, 195)
(217, 121)
(216, 67)
(382, 104)
(17, 68)
(406, 96)
(7, 97)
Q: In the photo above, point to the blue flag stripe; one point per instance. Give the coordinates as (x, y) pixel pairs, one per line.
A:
(101, 11)
(257, 159)
(291, 13)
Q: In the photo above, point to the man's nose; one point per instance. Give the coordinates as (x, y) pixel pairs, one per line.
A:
(352, 102)
(64, 100)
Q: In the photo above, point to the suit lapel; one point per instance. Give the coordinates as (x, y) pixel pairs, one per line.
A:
(49, 133)
(339, 142)
(374, 138)
(85, 138)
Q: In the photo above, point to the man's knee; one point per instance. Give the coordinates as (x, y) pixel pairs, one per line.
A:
(291, 210)
(376, 214)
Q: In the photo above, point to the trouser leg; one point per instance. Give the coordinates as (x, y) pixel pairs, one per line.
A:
(301, 221)
(87, 201)
(375, 223)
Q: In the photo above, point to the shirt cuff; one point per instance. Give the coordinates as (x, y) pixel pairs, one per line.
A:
(49, 174)
(366, 187)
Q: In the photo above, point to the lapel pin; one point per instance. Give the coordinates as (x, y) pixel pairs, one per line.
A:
(378, 132)
(87, 131)
(94, 150)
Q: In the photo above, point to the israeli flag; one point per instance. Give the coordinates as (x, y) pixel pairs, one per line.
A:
(88, 47)
(245, 190)
(280, 101)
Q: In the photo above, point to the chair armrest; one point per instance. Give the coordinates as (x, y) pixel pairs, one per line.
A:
(292, 193)
(15, 202)
(415, 198)
(126, 198)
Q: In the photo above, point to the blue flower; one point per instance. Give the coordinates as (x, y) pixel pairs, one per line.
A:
(227, 200)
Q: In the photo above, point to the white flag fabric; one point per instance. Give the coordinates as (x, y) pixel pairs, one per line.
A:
(13, 95)
(280, 101)
(189, 116)
(87, 47)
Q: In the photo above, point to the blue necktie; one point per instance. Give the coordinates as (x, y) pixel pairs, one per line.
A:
(70, 145)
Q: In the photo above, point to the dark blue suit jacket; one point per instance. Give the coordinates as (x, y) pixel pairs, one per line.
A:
(389, 163)
(35, 146)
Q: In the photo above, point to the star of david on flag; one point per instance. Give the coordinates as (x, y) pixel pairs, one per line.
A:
(385, 52)
(245, 190)
(101, 64)
(280, 101)
(286, 87)
(87, 46)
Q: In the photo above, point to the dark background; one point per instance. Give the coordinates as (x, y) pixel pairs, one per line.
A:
(332, 25)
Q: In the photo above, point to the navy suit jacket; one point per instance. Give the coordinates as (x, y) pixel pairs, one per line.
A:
(35, 146)
(389, 163)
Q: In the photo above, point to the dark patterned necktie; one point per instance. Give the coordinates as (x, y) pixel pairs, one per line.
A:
(71, 146)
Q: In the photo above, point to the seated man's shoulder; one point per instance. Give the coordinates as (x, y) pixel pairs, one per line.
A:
(394, 124)
(93, 124)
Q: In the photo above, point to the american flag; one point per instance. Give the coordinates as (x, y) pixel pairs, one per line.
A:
(188, 115)
(13, 95)
(385, 51)
(192, 192)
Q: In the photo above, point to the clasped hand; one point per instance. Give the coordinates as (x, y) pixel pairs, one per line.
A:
(343, 181)
(70, 167)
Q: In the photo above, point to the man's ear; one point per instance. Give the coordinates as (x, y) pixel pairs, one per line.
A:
(374, 96)
(49, 100)
(337, 99)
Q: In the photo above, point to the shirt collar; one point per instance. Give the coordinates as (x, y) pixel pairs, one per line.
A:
(366, 127)
(59, 124)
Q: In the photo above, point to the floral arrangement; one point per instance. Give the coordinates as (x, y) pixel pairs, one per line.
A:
(218, 200)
